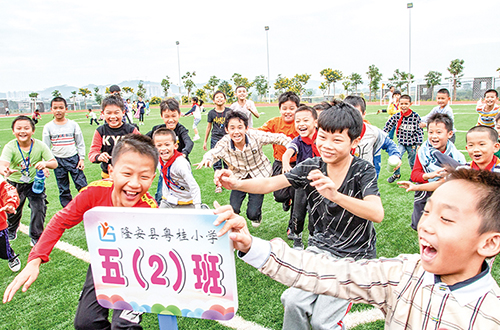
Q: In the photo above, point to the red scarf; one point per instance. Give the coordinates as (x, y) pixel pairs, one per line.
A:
(312, 143)
(363, 131)
(488, 168)
(166, 166)
(403, 114)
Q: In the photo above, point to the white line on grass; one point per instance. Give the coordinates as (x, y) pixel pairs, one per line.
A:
(237, 322)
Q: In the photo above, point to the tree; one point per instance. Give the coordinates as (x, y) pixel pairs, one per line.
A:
(228, 90)
(56, 93)
(211, 85)
(331, 77)
(155, 100)
(298, 83)
(128, 90)
(239, 80)
(400, 79)
(33, 96)
(433, 78)
(141, 91)
(356, 80)
(323, 87)
(455, 69)
(202, 95)
(282, 84)
(97, 96)
(188, 83)
(346, 83)
(374, 76)
(261, 85)
(107, 92)
(165, 84)
(73, 96)
(85, 92)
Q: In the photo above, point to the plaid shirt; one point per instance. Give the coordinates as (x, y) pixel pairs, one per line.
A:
(409, 133)
(250, 161)
(409, 297)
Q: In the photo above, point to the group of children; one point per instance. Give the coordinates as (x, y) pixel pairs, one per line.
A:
(325, 165)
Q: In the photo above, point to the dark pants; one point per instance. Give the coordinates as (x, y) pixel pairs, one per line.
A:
(159, 189)
(92, 316)
(419, 201)
(92, 120)
(412, 154)
(299, 211)
(6, 251)
(254, 205)
(218, 165)
(65, 166)
(141, 116)
(285, 194)
(452, 139)
(37, 204)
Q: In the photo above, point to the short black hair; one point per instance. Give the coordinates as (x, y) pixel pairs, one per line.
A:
(444, 91)
(170, 104)
(398, 92)
(321, 106)
(441, 118)
(405, 96)
(219, 92)
(241, 86)
(195, 99)
(356, 101)
(165, 131)
(238, 115)
(491, 90)
(492, 133)
(307, 108)
(22, 117)
(113, 100)
(339, 117)
(59, 99)
(139, 143)
(487, 185)
(288, 96)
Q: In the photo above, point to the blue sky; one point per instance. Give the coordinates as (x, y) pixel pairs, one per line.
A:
(48, 43)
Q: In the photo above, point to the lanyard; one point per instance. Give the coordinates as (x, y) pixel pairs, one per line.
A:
(27, 160)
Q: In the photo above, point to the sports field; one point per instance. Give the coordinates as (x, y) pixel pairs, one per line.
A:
(51, 301)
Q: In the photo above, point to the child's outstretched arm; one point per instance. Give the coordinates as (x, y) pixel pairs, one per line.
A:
(226, 179)
(207, 133)
(25, 278)
(286, 159)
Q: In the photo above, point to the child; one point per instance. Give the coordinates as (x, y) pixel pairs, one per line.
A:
(196, 111)
(288, 102)
(106, 136)
(141, 109)
(304, 147)
(170, 113)
(134, 161)
(93, 117)
(442, 99)
(66, 139)
(410, 135)
(128, 113)
(245, 106)
(216, 119)
(373, 139)
(428, 167)
(447, 286)
(344, 200)
(482, 145)
(241, 150)
(36, 116)
(20, 160)
(9, 201)
(488, 109)
(180, 188)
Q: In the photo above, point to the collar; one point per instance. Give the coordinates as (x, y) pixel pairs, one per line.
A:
(466, 291)
(232, 143)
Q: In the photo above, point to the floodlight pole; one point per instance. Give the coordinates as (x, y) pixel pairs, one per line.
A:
(409, 6)
(268, 75)
(179, 67)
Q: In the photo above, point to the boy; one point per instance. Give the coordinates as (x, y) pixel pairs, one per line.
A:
(170, 113)
(196, 112)
(36, 116)
(241, 150)
(93, 117)
(68, 147)
(372, 139)
(288, 102)
(447, 286)
(488, 109)
(180, 188)
(428, 167)
(304, 147)
(216, 119)
(20, 160)
(344, 200)
(106, 136)
(141, 109)
(131, 173)
(442, 99)
(482, 144)
(245, 106)
(9, 201)
(410, 135)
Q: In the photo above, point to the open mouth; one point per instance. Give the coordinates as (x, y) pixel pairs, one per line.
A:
(428, 251)
(130, 194)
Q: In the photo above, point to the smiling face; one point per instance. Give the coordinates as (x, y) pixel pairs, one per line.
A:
(287, 111)
(481, 148)
(334, 147)
(219, 99)
(132, 176)
(241, 93)
(58, 110)
(448, 233)
(23, 131)
(165, 145)
(442, 99)
(236, 130)
(438, 135)
(490, 99)
(170, 118)
(305, 124)
(404, 104)
(113, 115)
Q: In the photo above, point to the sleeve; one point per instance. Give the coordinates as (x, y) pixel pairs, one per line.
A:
(188, 143)
(46, 153)
(390, 146)
(390, 123)
(80, 143)
(424, 118)
(190, 111)
(420, 132)
(219, 151)
(268, 126)
(46, 136)
(95, 147)
(9, 195)
(417, 174)
(194, 188)
(150, 133)
(272, 138)
(368, 180)
(136, 131)
(293, 145)
(7, 153)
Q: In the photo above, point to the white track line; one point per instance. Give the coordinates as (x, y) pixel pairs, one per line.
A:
(237, 322)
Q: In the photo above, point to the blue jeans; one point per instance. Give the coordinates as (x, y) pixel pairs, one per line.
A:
(65, 166)
(412, 153)
(391, 133)
(254, 206)
(218, 165)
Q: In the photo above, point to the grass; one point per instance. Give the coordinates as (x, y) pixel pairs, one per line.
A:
(51, 301)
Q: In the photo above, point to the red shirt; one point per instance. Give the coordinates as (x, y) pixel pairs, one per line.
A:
(278, 125)
(8, 194)
(98, 193)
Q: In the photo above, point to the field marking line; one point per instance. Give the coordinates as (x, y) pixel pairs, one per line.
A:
(237, 322)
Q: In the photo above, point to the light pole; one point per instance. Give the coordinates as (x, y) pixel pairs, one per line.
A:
(409, 5)
(179, 66)
(268, 75)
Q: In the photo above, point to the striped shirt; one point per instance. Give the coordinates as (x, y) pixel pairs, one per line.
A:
(408, 296)
(251, 161)
(487, 117)
(66, 140)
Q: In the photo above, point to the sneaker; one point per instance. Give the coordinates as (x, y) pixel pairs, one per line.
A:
(286, 205)
(204, 207)
(256, 223)
(33, 242)
(15, 264)
(12, 236)
(393, 178)
(196, 138)
(291, 235)
(297, 244)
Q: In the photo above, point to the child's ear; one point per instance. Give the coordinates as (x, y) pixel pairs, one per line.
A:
(496, 147)
(355, 142)
(450, 134)
(489, 245)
